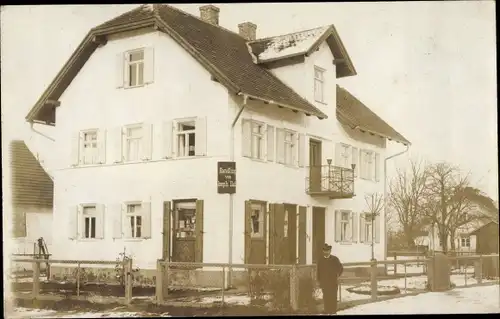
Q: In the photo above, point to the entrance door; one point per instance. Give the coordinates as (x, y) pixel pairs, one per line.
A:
(318, 221)
(290, 233)
(255, 232)
(184, 231)
(314, 165)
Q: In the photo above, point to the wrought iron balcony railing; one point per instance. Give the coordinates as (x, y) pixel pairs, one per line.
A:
(330, 181)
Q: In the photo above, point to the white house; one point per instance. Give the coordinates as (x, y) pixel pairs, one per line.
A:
(153, 100)
(32, 202)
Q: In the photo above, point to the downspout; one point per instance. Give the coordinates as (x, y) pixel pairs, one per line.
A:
(385, 198)
(231, 196)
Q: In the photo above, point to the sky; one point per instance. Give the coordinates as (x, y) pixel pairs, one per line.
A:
(427, 68)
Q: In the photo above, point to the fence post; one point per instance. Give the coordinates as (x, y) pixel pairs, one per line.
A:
(78, 279)
(223, 284)
(166, 279)
(294, 283)
(405, 276)
(480, 270)
(159, 282)
(128, 281)
(36, 278)
(395, 265)
(373, 278)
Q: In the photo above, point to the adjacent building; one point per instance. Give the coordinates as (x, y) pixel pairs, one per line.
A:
(152, 101)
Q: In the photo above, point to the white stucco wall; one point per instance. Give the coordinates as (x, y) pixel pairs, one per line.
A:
(38, 224)
(182, 88)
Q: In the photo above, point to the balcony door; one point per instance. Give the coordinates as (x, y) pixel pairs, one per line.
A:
(314, 165)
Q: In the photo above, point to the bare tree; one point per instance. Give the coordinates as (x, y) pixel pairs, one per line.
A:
(406, 198)
(448, 202)
(375, 205)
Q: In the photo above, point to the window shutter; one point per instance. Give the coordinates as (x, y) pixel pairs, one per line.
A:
(101, 142)
(100, 224)
(200, 136)
(301, 149)
(167, 139)
(302, 234)
(354, 224)
(362, 164)
(146, 220)
(126, 226)
(270, 143)
(120, 70)
(175, 140)
(377, 167)
(167, 213)
(248, 230)
(272, 233)
(117, 214)
(355, 160)
(149, 63)
(117, 144)
(246, 135)
(280, 145)
(75, 148)
(376, 228)
(338, 155)
(147, 142)
(126, 70)
(199, 232)
(338, 217)
(362, 226)
(73, 222)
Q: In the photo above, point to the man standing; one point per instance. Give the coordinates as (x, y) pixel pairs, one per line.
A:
(329, 270)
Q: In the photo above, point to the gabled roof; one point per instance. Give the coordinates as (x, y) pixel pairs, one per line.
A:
(303, 43)
(474, 232)
(353, 113)
(223, 53)
(31, 185)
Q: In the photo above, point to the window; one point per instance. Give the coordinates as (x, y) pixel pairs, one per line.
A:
(257, 221)
(345, 156)
(319, 84)
(134, 218)
(135, 68)
(290, 147)
(90, 153)
(465, 242)
(133, 142)
(345, 228)
(89, 221)
(368, 231)
(257, 140)
(186, 138)
(367, 166)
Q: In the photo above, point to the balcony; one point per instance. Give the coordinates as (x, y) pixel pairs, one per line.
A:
(330, 181)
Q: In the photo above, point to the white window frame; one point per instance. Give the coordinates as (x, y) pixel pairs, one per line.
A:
(262, 215)
(290, 146)
(134, 215)
(319, 82)
(83, 143)
(345, 227)
(366, 171)
(178, 133)
(368, 231)
(138, 64)
(346, 155)
(90, 216)
(261, 137)
(127, 139)
(465, 242)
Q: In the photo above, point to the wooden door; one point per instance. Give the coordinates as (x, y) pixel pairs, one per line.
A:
(184, 231)
(314, 165)
(255, 232)
(318, 220)
(302, 235)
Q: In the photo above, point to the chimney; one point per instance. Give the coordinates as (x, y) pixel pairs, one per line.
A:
(210, 14)
(248, 30)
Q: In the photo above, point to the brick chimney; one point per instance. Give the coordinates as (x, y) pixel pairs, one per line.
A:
(248, 30)
(210, 14)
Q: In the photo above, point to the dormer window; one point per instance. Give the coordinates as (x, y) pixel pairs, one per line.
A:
(319, 83)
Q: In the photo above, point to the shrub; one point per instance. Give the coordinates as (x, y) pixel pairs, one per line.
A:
(120, 268)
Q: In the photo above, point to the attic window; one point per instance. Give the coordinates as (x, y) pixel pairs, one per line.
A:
(319, 83)
(135, 66)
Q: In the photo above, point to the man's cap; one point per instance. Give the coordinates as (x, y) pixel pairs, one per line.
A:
(327, 247)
